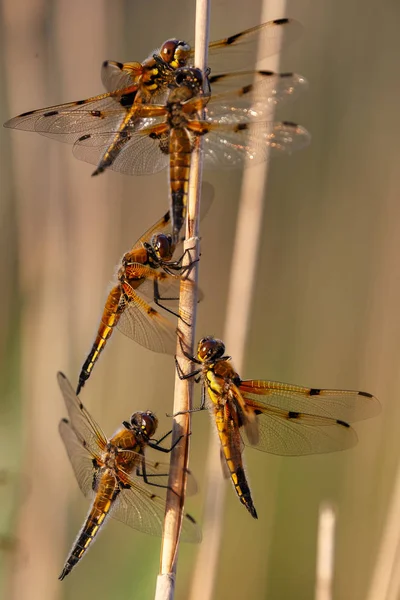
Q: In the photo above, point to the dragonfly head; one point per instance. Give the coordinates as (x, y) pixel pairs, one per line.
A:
(210, 349)
(163, 246)
(189, 77)
(144, 423)
(175, 53)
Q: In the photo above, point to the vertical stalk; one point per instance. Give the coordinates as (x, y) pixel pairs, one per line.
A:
(240, 294)
(184, 388)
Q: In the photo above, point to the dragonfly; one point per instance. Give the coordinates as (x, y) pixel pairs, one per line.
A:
(234, 128)
(115, 475)
(277, 418)
(115, 114)
(148, 272)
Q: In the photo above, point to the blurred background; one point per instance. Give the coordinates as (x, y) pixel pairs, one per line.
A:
(325, 310)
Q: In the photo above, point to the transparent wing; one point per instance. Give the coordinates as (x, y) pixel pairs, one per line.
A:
(347, 405)
(239, 51)
(142, 509)
(138, 153)
(81, 459)
(243, 89)
(117, 76)
(290, 433)
(156, 472)
(228, 146)
(67, 122)
(145, 325)
(87, 431)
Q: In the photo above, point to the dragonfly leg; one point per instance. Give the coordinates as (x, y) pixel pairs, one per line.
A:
(185, 353)
(183, 375)
(158, 297)
(146, 478)
(155, 445)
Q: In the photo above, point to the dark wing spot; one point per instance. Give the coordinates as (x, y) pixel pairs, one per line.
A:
(81, 406)
(281, 21)
(258, 412)
(343, 423)
(293, 414)
(65, 421)
(190, 518)
(96, 113)
(215, 78)
(365, 394)
(232, 39)
(153, 496)
(151, 311)
(51, 113)
(154, 136)
(246, 89)
(84, 137)
(267, 73)
(290, 123)
(26, 114)
(314, 392)
(80, 102)
(241, 127)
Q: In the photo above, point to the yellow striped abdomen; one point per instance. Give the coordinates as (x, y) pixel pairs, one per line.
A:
(106, 494)
(229, 435)
(180, 149)
(109, 319)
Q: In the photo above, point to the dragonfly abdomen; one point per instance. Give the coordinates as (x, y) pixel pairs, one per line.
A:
(180, 149)
(232, 454)
(109, 319)
(107, 493)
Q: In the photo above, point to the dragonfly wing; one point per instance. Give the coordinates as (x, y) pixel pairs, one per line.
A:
(347, 405)
(145, 325)
(292, 433)
(119, 76)
(67, 122)
(252, 94)
(81, 460)
(229, 146)
(240, 51)
(138, 507)
(87, 431)
(138, 154)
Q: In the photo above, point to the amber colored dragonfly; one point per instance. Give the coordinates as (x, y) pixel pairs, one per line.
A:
(148, 273)
(131, 83)
(235, 129)
(115, 475)
(278, 418)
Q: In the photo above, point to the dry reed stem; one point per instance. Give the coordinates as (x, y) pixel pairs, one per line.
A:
(184, 388)
(240, 295)
(325, 552)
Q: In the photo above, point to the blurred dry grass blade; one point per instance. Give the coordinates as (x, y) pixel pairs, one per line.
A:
(240, 295)
(184, 388)
(386, 577)
(325, 552)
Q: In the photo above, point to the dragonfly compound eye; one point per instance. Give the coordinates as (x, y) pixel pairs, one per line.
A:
(162, 245)
(189, 77)
(167, 50)
(149, 423)
(210, 348)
